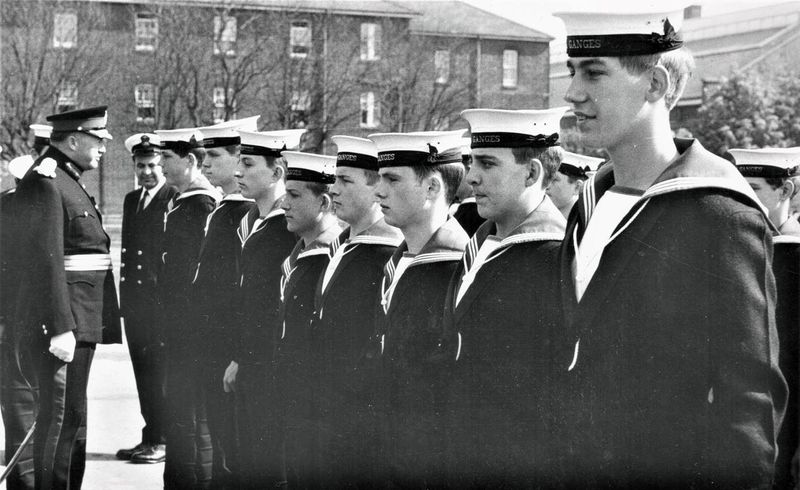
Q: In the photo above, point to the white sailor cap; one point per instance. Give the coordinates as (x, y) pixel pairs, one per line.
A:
(41, 134)
(356, 152)
(497, 128)
(269, 143)
(466, 146)
(418, 148)
(143, 144)
(19, 166)
(225, 133)
(592, 34)
(310, 167)
(767, 162)
(580, 166)
(180, 139)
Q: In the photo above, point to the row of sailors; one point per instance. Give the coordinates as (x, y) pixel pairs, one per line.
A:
(385, 343)
(633, 344)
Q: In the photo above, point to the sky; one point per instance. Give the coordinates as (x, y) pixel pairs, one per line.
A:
(536, 13)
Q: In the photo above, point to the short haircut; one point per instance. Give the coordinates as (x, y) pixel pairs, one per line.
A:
(574, 178)
(451, 173)
(318, 188)
(182, 152)
(60, 136)
(679, 63)
(549, 156)
(372, 176)
(273, 162)
(232, 149)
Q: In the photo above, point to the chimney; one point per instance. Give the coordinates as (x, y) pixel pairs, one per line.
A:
(692, 12)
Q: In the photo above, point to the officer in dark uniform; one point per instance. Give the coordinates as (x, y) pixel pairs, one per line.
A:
(188, 461)
(347, 304)
(420, 173)
(309, 214)
(502, 314)
(18, 389)
(265, 243)
(66, 302)
(142, 233)
(771, 172)
(215, 288)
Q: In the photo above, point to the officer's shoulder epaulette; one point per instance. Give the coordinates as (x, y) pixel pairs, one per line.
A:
(47, 168)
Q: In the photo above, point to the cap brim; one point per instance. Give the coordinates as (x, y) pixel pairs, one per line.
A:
(100, 133)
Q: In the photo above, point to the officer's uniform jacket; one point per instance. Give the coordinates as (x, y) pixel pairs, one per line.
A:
(675, 364)
(264, 245)
(466, 214)
(184, 224)
(142, 235)
(68, 283)
(217, 277)
(7, 284)
(410, 333)
(504, 338)
(786, 266)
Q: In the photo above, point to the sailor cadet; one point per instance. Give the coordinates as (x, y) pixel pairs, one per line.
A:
(464, 210)
(309, 214)
(18, 389)
(41, 137)
(188, 457)
(65, 302)
(502, 310)
(347, 301)
(215, 289)
(142, 233)
(420, 173)
(772, 172)
(568, 182)
(265, 242)
(666, 281)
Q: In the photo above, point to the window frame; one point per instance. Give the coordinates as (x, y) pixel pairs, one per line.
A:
(293, 45)
(506, 68)
(369, 108)
(67, 101)
(370, 41)
(141, 102)
(58, 42)
(225, 26)
(441, 64)
(145, 43)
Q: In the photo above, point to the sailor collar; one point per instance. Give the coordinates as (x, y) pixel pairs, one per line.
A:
(695, 168)
(544, 223)
(447, 242)
(199, 186)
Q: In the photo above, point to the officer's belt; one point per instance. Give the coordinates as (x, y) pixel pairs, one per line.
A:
(87, 262)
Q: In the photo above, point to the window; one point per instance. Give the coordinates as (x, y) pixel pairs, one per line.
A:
(299, 105)
(146, 32)
(370, 39)
(300, 39)
(369, 110)
(221, 102)
(145, 95)
(441, 59)
(65, 30)
(510, 68)
(225, 35)
(67, 96)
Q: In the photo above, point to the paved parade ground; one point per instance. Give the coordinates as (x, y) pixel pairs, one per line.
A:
(114, 422)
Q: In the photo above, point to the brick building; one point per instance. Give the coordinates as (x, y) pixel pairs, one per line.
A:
(334, 67)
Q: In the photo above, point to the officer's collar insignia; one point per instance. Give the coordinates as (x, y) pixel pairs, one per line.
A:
(47, 168)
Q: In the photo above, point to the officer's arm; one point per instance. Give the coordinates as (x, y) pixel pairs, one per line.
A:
(42, 238)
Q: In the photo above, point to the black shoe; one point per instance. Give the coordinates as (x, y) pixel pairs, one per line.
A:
(126, 454)
(155, 453)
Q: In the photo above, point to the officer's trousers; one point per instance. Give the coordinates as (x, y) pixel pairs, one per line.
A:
(59, 451)
(149, 369)
(189, 452)
(18, 395)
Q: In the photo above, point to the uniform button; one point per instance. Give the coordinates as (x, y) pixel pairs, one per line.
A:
(124, 250)
(139, 267)
(138, 252)
(122, 264)
(138, 282)
(85, 214)
(121, 279)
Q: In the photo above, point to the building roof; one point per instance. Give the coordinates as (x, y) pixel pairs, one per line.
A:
(380, 8)
(454, 18)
